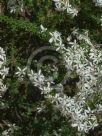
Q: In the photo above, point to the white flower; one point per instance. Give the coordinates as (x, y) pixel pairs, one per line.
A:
(93, 124)
(72, 10)
(12, 10)
(4, 71)
(5, 133)
(39, 75)
(3, 88)
(99, 107)
(85, 38)
(62, 5)
(22, 7)
(10, 130)
(73, 43)
(60, 47)
(47, 88)
(40, 109)
(21, 72)
(55, 36)
(43, 29)
(37, 79)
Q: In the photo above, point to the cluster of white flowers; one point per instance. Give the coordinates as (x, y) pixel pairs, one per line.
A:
(40, 81)
(62, 5)
(10, 130)
(37, 79)
(3, 71)
(82, 59)
(15, 6)
(56, 38)
(81, 116)
(85, 59)
(98, 3)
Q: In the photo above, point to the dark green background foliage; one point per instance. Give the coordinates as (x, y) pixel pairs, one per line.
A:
(20, 36)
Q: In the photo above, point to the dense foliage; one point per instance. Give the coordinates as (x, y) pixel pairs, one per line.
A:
(29, 25)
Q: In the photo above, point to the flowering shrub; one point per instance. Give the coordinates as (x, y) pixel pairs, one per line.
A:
(65, 5)
(51, 78)
(82, 59)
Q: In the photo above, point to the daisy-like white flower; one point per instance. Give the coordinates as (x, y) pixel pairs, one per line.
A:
(71, 10)
(57, 40)
(85, 38)
(4, 71)
(47, 88)
(60, 47)
(43, 29)
(55, 36)
(60, 5)
(21, 73)
(37, 79)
